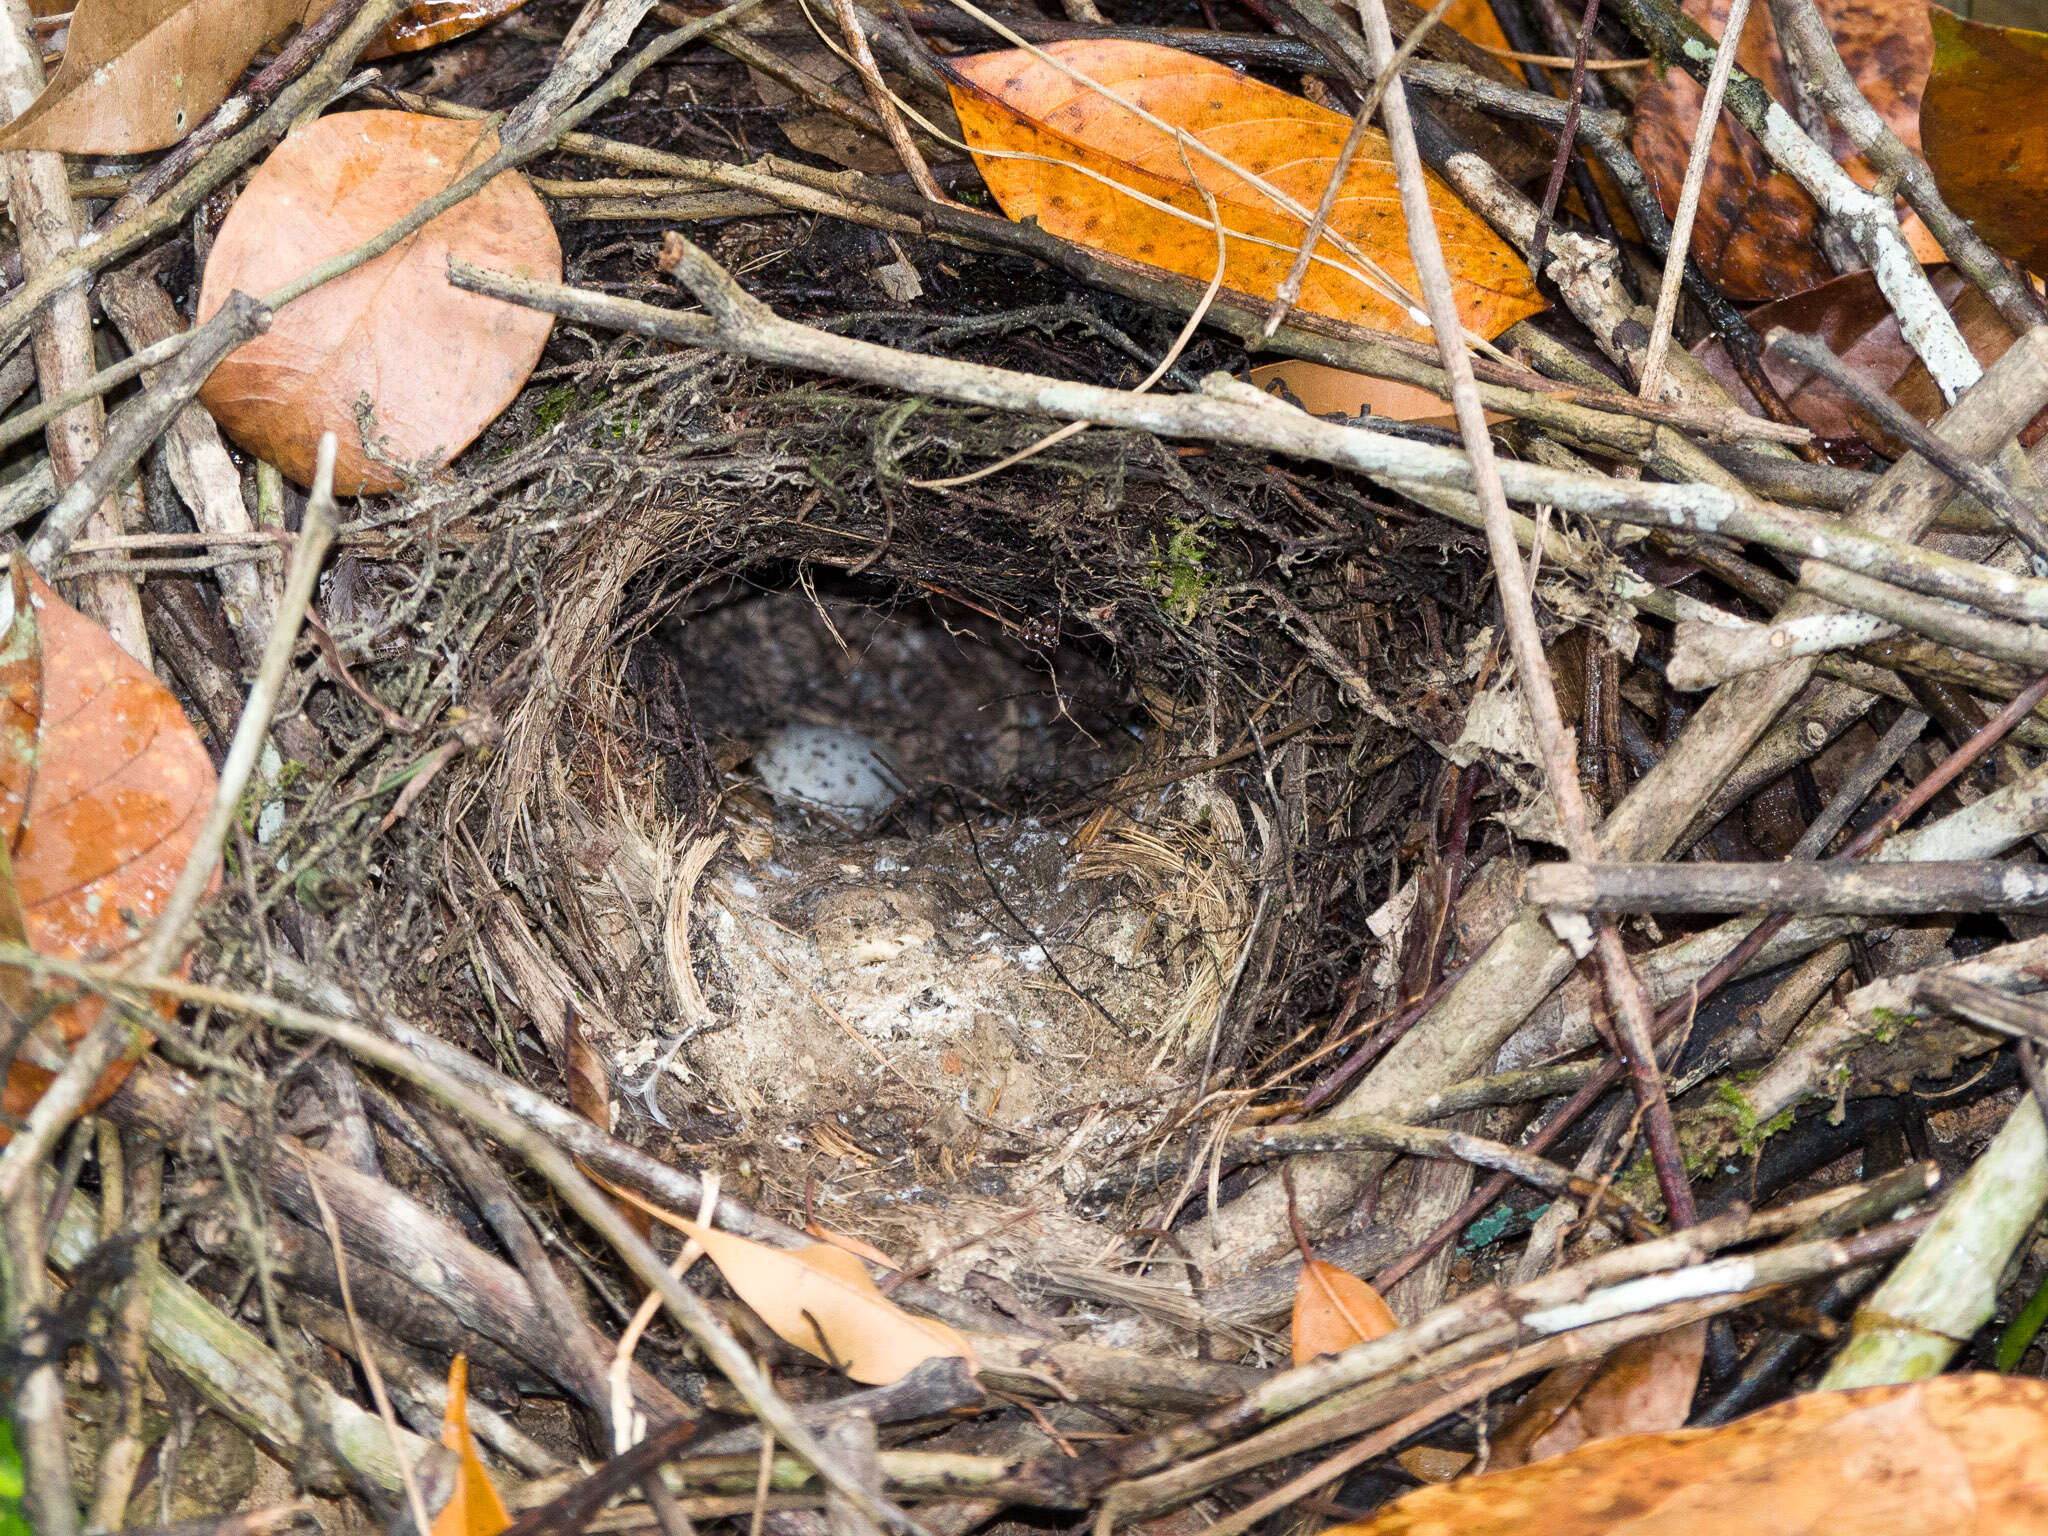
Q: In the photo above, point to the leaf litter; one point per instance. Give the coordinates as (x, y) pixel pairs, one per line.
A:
(1165, 723)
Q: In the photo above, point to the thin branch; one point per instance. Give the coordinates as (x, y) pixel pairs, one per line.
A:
(1812, 353)
(1893, 890)
(1679, 42)
(138, 424)
(1289, 291)
(1689, 201)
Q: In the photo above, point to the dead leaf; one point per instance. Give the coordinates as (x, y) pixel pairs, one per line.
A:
(1755, 229)
(1322, 390)
(1333, 1310)
(475, 1508)
(140, 74)
(1015, 104)
(1433, 1464)
(1646, 1384)
(1953, 1456)
(103, 787)
(429, 22)
(1981, 125)
(821, 1300)
(1475, 21)
(1852, 317)
(432, 365)
(853, 1245)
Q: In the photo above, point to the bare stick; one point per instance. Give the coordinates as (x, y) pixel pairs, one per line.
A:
(885, 104)
(37, 1405)
(2024, 645)
(407, 1475)
(1689, 201)
(1227, 412)
(1517, 606)
(1896, 890)
(1679, 42)
(1704, 654)
(1980, 1004)
(204, 474)
(29, 422)
(49, 227)
(142, 421)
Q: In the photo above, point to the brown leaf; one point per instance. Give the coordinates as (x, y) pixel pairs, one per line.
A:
(1954, 1456)
(1755, 229)
(1333, 1310)
(821, 1300)
(103, 787)
(1433, 1464)
(1858, 326)
(140, 74)
(1647, 1384)
(1077, 159)
(1981, 125)
(434, 364)
(475, 1509)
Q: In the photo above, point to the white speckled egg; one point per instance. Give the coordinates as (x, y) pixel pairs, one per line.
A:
(828, 767)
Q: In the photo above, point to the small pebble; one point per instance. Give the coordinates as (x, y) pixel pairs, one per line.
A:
(829, 768)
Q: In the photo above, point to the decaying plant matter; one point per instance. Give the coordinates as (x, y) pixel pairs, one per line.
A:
(732, 836)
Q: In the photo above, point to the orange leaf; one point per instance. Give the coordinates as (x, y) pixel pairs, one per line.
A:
(475, 1508)
(140, 74)
(103, 787)
(1981, 123)
(1333, 1310)
(436, 364)
(1474, 19)
(1014, 103)
(1954, 1456)
(821, 1300)
(1755, 229)
(428, 22)
(1325, 391)
(1646, 1384)
(853, 1245)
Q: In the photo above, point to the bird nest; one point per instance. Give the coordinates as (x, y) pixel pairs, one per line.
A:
(1105, 873)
